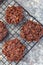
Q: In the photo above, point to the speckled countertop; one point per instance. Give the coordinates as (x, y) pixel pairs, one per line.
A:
(35, 56)
(35, 7)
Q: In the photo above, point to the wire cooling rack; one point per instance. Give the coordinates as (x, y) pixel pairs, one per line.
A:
(14, 31)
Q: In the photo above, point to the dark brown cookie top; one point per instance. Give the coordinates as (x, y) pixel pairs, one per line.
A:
(3, 31)
(14, 14)
(31, 31)
(13, 50)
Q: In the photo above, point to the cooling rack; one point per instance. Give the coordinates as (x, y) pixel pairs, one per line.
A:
(14, 30)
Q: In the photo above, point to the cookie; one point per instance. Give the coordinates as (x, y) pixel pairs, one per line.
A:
(31, 31)
(14, 14)
(3, 31)
(13, 50)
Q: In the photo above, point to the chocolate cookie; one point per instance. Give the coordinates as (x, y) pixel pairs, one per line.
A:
(3, 31)
(14, 14)
(31, 31)
(13, 50)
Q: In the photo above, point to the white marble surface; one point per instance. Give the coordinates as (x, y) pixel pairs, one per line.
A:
(35, 56)
(35, 7)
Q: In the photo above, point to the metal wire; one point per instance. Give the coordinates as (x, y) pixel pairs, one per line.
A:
(14, 30)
